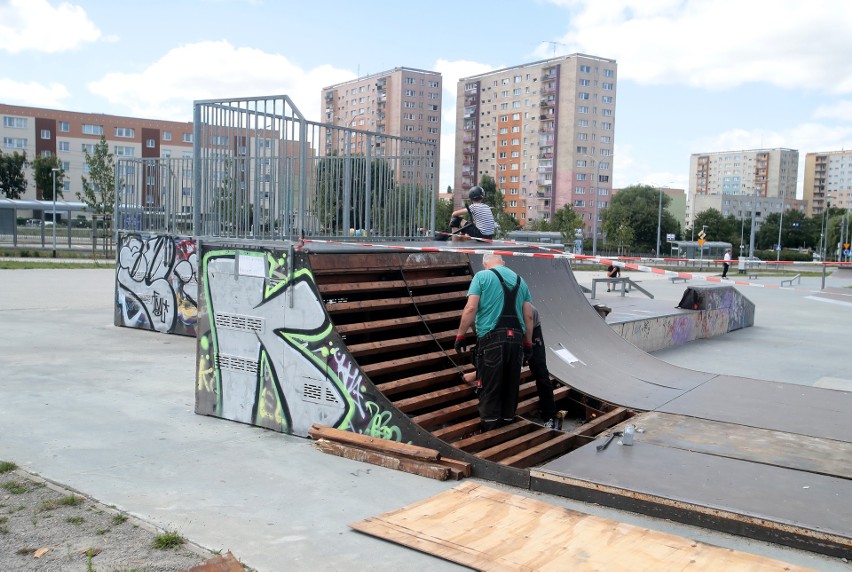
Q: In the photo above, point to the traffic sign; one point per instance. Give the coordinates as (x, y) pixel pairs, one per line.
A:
(846, 245)
(670, 237)
(702, 235)
(847, 253)
(700, 242)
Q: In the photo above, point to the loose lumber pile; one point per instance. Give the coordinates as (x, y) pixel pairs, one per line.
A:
(389, 454)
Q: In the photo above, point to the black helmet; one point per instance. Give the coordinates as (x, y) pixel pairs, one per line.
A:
(476, 193)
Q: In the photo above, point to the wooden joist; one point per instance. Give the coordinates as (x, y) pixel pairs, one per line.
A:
(388, 303)
(416, 382)
(396, 344)
(494, 437)
(433, 398)
(518, 444)
(318, 431)
(395, 323)
(390, 454)
(403, 364)
(359, 287)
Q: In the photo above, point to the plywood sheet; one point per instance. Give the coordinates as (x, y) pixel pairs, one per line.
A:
(487, 529)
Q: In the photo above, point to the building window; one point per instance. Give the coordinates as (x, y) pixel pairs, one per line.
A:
(64, 146)
(15, 122)
(585, 82)
(606, 126)
(89, 129)
(607, 86)
(408, 80)
(66, 166)
(121, 151)
(581, 176)
(167, 135)
(584, 95)
(606, 98)
(585, 69)
(150, 143)
(606, 112)
(14, 143)
(609, 73)
(64, 127)
(583, 109)
(46, 134)
(582, 136)
(187, 137)
(126, 132)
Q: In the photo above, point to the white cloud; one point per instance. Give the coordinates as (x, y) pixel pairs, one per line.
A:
(840, 111)
(213, 70)
(451, 72)
(33, 94)
(717, 44)
(36, 25)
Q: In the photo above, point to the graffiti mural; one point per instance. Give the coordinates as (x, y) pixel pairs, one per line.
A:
(156, 284)
(268, 354)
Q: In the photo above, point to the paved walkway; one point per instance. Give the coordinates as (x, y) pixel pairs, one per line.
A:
(109, 411)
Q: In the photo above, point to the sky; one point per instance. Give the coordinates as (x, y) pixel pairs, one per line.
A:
(694, 76)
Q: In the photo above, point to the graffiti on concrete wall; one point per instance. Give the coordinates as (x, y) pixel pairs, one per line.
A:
(268, 354)
(156, 284)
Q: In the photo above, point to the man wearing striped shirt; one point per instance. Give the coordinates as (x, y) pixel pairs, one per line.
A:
(482, 225)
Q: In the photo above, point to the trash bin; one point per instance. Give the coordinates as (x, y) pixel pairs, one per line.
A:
(741, 265)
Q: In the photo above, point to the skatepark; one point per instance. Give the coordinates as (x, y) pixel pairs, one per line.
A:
(181, 386)
(108, 411)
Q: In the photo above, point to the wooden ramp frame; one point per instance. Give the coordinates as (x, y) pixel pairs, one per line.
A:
(486, 529)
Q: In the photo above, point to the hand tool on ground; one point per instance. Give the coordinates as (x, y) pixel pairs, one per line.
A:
(609, 439)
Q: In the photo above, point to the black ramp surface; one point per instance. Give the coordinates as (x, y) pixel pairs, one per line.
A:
(798, 409)
(807, 500)
(587, 354)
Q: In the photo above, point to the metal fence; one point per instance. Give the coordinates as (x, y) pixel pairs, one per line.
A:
(261, 170)
(154, 195)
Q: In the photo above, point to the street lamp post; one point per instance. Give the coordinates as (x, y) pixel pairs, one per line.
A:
(659, 221)
(780, 225)
(53, 172)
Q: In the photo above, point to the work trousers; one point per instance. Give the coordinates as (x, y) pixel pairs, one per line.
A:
(538, 367)
(499, 354)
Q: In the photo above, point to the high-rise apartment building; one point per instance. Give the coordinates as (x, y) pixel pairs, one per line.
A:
(545, 131)
(757, 173)
(403, 102)
(828, 179)
(68, 135)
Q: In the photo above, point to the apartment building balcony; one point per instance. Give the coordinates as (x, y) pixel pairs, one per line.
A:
(545, 169)
(546, 129)
(548, 74)
(545, 140)
(471, 99)
(471, 90)
(548, 89)
(547, 155)
(544, 180)
(467, 138)
(466, 161)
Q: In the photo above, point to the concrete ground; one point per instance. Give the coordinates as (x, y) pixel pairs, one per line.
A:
(109, 411)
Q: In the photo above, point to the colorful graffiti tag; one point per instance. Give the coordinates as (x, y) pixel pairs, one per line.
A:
(268, 354)
(156, 284)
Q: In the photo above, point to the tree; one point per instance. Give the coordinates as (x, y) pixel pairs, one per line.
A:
(637, 207)
(99, 189)
(13, 181)
(623, 238)
(565, 220)
(43, 176)
(494, 199)
(443, 214)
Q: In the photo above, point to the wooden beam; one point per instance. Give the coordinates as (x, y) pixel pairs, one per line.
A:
(423, 380)
(426, 400)
(517, 444)
(397, 302)
(424, 469)
(373, 443)
(360, 287)
(494, 437)
(394, 323)
(396, 344)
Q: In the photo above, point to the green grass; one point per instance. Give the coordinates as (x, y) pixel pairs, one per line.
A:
(168, 539)
(119, 518)
(70, 500)
(6, 466)
(14, 487)
(75, 519)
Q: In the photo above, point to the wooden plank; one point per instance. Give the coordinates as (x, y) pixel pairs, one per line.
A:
(360, 287)
(402, 364)
(397, 344)
(372, 443)
(453, 412)
(494, 437)
(528, 405)
(464, 468)
(518, 444)
(423, 380)
(433, 398)
(387, 303)
(447, 281)
(393, 323)
(457, 430)
(565, 442)
(486, 529)
(407, 465)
